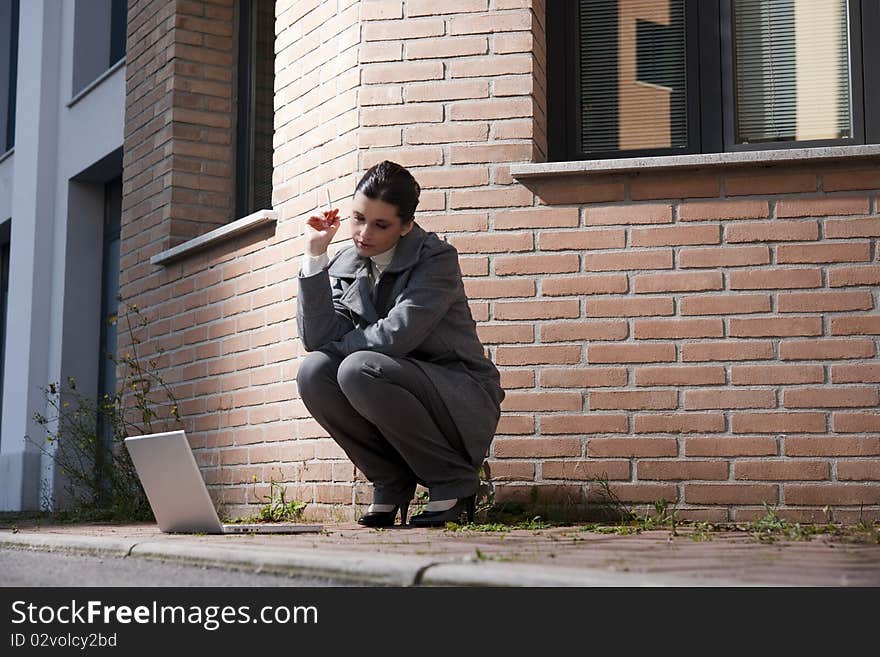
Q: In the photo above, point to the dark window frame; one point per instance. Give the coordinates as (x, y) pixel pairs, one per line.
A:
(709, 62)
(8, 135)
(246, 107)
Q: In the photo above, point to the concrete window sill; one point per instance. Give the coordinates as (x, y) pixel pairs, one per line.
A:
(699, 161)
(230, 230)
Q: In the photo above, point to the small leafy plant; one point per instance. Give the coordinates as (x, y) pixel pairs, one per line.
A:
(85, 436)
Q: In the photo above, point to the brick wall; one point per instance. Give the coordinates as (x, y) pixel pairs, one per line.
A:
(708, 337)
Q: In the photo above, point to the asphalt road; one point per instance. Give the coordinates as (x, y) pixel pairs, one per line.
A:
(38, 568)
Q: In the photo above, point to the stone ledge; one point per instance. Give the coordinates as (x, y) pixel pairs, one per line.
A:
(230, 230)
(697, 161)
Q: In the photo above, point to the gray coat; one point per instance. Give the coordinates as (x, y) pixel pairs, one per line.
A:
(425, 317)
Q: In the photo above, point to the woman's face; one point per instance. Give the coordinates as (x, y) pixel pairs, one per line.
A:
(375, 226)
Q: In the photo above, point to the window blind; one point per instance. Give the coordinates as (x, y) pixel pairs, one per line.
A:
(632, 75)
(791, 70)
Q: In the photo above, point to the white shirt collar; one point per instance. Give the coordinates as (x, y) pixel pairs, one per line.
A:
(382, 260)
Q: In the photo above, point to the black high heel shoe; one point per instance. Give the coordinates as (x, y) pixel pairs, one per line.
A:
(440, 518)
(384, 518)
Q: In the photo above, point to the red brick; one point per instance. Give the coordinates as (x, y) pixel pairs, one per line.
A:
(676, 235)
(585, 470)
(630, 307)
(849, 252)
(472, 221)
(633, 400)
(583, 424)
(490, 198)
(542, 401)
(564, 191)
(631, 447)
(739, 446)
(618, 261)
(492, 242)
(824, 301)
(766, 183)
(630, 353)
(629, 214)
(844, 228)
(589, 330)
(859, 470)
(517, 379)
(779, 422)
(821, 349)
(822, 494)
(505, 333)
(494, 289)
(490, 23)
(537, 264)
(775, 326)
(730, 304)
(536, 309)
(772, 231)
(685, 376)
(741, 375)
(498, 152)
(855, 325)
(536, 218)
(818, 207)
(726, 399)
(731, 493)
(769, 279)
(536, 447)
(447, 133)
(474, 266)
(537, 354)
(492, 108)
(847, 180)
(831, 397)
(678, 423)
(641, 492)
(856, 422)
(571, 240)
(722, 210)
(678, 282)
(400, 115)
(793, 470)
(676, 185)
(728, 350)
(446, 47)
(584, 285)
(724, 256)
(846, 276)
(439, 90)
(645, 329)
(408, 29)
(680, 470)
(517, 424)
(867, 373)
(512, 471)
(832, 446)
(581, 377)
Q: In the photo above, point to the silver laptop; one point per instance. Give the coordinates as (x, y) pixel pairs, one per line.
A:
(177, 493)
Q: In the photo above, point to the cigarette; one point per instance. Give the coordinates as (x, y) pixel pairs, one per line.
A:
(327, 201)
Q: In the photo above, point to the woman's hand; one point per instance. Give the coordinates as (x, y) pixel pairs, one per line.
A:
(320, 231)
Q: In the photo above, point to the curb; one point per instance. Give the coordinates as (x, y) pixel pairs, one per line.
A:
(356, 567)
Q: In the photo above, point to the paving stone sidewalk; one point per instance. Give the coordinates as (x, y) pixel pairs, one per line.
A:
(557, 556)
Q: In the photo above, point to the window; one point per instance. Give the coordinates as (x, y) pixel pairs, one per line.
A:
(8, 71)
(663, 77)
(255, 106)
(99, 39)
(109, 309)
(5, 235)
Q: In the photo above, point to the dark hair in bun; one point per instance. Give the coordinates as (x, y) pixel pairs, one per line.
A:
(391, 183)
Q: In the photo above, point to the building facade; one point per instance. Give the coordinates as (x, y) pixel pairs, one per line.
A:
(671, 253)
(62, 94)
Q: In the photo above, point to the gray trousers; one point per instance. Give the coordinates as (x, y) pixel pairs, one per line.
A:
(391, 422)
